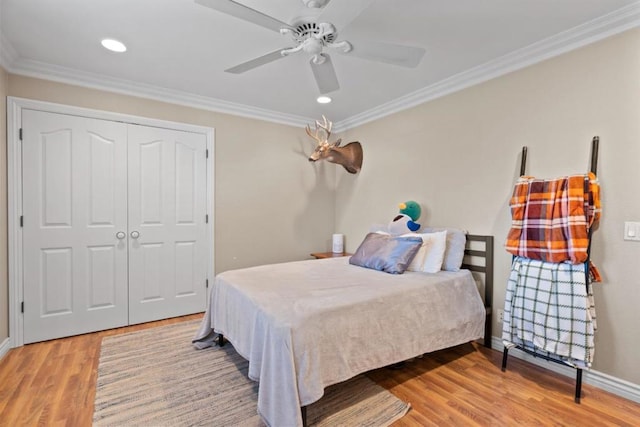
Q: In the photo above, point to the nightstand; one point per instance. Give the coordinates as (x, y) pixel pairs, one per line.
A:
(321, 255)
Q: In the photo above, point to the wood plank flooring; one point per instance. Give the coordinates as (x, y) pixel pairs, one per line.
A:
(464, 386)
(53, 384)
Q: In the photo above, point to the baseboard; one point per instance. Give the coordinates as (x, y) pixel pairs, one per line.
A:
(603, 381)
(5, 346)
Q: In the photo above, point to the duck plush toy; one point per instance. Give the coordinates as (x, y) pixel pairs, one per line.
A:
(405, 222)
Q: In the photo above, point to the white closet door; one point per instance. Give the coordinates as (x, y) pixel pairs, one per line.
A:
(74, 206)
(168, 246)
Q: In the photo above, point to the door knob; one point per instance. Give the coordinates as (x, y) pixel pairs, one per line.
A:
(121, 235)
(135, 234)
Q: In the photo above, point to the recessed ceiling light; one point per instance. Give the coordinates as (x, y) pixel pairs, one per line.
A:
(114, 45)
(323, 99)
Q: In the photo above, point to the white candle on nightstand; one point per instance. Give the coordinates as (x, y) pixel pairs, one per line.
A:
(338, 243)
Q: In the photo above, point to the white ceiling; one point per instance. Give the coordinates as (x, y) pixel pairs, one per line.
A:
(178, 50)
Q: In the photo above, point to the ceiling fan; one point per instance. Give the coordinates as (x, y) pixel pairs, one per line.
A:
(317, 36)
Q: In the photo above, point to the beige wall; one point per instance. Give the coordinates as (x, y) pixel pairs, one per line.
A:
(4, 288)
(270, 204)
(459, 157)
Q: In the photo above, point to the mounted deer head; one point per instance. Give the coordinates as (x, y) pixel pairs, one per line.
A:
(349, 156)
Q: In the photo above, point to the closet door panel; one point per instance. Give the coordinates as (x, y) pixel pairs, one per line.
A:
(102, 276)
(74, 203)
(167, 209)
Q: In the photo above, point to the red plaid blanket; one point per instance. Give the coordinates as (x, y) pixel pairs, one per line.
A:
(551, 218)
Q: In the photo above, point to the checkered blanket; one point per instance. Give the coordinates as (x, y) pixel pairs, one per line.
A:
(551, 218)
(549, 311)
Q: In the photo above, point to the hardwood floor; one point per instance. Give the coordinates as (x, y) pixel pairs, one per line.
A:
(53, 384)
(464, 386)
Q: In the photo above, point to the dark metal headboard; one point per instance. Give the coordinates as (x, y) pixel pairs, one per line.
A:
(486, 253)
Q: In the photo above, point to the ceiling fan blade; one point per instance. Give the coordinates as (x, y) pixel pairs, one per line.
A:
(341, 13)
(245, 13)
(395, 54)
(256, 62)
(325, 75)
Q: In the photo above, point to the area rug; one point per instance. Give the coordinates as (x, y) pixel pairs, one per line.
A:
(156, 378)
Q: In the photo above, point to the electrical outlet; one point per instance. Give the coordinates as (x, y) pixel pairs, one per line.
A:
(500, 315)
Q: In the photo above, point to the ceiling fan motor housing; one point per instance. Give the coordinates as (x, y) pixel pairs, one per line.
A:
(324, 32)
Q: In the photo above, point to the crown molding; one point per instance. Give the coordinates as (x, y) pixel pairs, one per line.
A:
(600, 28)
(41, 70)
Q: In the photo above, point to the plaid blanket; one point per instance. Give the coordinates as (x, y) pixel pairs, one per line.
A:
(551, 218)
(549, 311)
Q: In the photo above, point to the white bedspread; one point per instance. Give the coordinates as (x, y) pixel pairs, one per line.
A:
(306, 325)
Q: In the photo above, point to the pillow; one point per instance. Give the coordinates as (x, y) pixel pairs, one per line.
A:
(454, 252)
(431, 254)
(418, 260)
(386, 253)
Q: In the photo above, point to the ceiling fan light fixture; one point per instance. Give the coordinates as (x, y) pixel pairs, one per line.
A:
(323, 99)
(312, 46)
(113, 45)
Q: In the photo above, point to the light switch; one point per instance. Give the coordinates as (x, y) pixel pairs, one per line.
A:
(632, 231)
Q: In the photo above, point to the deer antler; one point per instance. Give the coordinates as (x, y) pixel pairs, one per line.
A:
(325, 126)
(314, 135)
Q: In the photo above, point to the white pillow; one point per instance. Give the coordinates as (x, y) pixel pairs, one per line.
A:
(418, 259)
(431, 254)
(456, 242)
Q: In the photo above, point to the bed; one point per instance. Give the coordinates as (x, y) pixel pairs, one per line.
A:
(309, 324)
